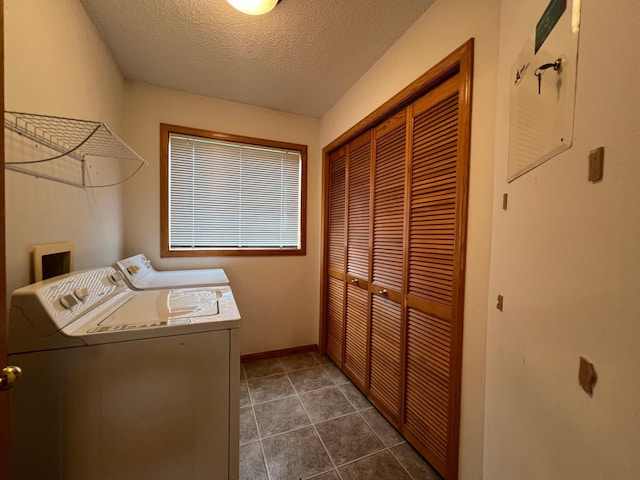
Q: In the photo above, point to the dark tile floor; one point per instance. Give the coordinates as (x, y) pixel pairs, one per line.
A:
(300, 418)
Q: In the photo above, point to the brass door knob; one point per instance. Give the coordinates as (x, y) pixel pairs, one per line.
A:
(383, 291)
(9, 377)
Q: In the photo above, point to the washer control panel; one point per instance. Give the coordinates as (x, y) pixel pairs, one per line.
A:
(67, 297)
(72, 294)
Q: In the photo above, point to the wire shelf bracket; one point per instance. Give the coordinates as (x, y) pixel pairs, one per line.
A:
(72, 138)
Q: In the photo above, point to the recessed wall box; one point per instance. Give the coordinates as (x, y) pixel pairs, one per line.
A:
(52, 259)
(587, 377)
(596, 164)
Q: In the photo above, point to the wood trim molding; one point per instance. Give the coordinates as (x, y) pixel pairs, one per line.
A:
(4, 395)
(252, 357)
(464, 153)
(445, 68)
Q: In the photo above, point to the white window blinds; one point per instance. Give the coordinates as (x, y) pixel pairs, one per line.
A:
(226, 195)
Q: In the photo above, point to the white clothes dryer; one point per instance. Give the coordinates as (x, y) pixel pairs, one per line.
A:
(140, 275)
(123, 384)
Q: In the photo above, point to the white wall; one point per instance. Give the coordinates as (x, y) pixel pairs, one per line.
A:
(278, 296)
(443, 28)
(566, 258)
(56, 64)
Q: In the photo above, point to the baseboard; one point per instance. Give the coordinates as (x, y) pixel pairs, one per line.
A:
(278, 353)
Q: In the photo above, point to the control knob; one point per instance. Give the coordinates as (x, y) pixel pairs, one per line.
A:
(68, 301)
(82, 293)
(116, 277)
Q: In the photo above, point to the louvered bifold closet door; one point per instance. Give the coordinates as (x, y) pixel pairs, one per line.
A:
(358, 218)
(387, 261)
(357, 331)
(438, 177)
(336, 257)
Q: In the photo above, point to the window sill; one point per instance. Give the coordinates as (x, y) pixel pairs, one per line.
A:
(240, 252)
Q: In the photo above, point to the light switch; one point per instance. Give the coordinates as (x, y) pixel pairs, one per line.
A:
(596, 164)
(587, 376)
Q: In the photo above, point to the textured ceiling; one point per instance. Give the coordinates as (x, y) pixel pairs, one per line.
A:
(299, 58)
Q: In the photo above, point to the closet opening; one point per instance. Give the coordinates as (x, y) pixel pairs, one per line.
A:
(395, 194)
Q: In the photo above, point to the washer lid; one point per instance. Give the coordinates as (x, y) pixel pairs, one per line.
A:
(167, 306)
(156, 313)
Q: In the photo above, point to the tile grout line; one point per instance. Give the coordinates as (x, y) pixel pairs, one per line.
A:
(350, 413)
(355, 411)
(264, 457)
(294, 394)
(323, 444)
(313, 424)
(314, 427)
(253, 411)
(336, 367)
(363, 457)
(322, 473)
(401, 464)
(384, 444)
(387, 447)
(285, 372)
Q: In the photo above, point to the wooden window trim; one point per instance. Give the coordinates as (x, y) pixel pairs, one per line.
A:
(165, 131)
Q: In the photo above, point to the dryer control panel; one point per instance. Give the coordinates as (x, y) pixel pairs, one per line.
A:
(136, 269)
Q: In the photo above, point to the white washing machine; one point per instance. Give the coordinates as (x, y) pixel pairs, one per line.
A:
(140, 275)
(123, 384)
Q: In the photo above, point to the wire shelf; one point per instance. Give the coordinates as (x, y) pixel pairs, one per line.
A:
(68, 137)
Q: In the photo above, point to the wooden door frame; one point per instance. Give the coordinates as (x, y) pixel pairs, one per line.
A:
(460, 60)
(4, 396)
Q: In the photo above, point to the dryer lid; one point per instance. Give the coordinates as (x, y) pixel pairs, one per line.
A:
(141, 275)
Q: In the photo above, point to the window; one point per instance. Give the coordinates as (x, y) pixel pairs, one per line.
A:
(230, 195)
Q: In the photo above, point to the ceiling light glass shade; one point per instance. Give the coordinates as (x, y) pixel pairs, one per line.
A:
(253, 7)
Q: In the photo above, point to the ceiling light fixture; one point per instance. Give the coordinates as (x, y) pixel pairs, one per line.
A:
(254, 7)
